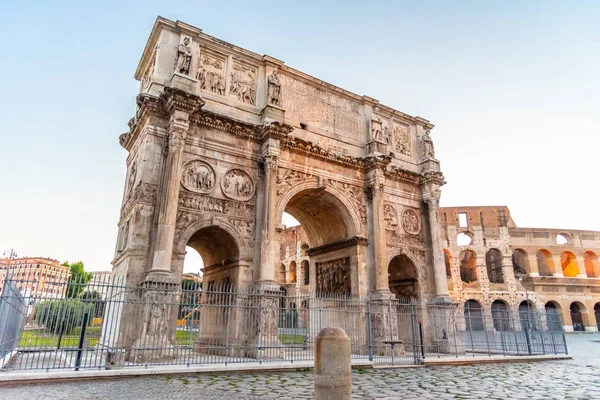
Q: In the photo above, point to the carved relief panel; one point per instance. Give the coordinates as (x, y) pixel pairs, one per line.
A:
(147, 78)
(242, 85)
(237, 185)
(211, 73)
(402, 142)
(411, 222)
(198, 177)
(334, 276)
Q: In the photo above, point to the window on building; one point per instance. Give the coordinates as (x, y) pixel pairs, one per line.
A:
(462, 220)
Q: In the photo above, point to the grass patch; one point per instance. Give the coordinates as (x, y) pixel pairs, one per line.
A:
(291, 339)
(39, 338)
(184, 338)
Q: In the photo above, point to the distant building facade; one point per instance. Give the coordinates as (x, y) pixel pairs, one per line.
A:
(36, 277)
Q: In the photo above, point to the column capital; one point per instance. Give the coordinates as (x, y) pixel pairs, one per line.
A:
(433, 203)
(178, 100)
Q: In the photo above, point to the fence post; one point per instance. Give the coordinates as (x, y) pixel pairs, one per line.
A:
(564, 341)
(228, 322)
(369, 333)
(413, 329)
(81, 339)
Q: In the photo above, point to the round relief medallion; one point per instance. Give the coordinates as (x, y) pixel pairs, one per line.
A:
(198, 177)
(237, 185)
(390, 216)
(410, 222)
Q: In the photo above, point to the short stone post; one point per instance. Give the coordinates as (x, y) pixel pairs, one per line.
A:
(333, 372)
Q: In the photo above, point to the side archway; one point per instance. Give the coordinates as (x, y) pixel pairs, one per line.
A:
(402, 277)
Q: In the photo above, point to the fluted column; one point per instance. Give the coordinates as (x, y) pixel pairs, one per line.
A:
(377, 239)
(268, 224)
(167, 211)
(439, 266)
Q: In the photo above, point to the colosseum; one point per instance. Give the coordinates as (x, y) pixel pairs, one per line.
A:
(493, 266)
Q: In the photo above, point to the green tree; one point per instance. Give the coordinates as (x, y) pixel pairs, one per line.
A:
(78, 279)
(95, 298)
(62, 316)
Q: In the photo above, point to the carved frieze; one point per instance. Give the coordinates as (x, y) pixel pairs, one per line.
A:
(334, 276)
(288, 178)
(243, 83)
(411, 222)
(390, 216)
(395, 239)
(211, 74)
(402, 139)
(237, 185)
(215, 206)
(198, 177)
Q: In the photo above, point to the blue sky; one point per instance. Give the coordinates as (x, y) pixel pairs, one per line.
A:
(512, 87)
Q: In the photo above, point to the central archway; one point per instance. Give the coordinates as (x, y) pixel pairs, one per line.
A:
(332, 225)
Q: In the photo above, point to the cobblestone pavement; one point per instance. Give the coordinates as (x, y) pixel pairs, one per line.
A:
(576, 379)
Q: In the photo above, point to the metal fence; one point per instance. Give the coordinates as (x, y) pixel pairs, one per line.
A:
(12, 317)
(109, 324)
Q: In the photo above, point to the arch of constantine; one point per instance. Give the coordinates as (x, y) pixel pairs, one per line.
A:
(224, 141)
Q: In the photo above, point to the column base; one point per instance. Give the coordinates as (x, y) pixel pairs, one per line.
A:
(442, 299)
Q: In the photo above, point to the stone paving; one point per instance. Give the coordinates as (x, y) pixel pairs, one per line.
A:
(576, 379)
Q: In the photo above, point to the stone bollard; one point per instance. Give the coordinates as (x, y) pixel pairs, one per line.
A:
(333, 371)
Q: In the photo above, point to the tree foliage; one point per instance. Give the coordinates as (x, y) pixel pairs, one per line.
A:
(62, 316)
(96, 299)
(78, 279)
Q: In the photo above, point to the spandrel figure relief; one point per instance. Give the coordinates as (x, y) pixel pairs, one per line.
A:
(198, 177)
(184, 58)
(237, 185)
(390, 216)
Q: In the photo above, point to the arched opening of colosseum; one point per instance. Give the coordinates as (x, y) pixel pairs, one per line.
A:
(474, 316)
(447, 263)
(281, 274)
(553, 316)
(493, 263)
(545, 263)
(468, 266)
(305, 272)
(464, 239)
(592, 267)
(403, 277)
(597, 315)
(569, 264)
(327, 221)
(501, 315)
(293, 271)
(527, 315)
(577, 311)
(520, 263)
(563, 238)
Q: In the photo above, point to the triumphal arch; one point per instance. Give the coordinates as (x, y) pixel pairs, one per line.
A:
(224, 141)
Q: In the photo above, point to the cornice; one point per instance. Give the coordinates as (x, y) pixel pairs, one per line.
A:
(434, 177)
(146, 105)
(340, 244)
